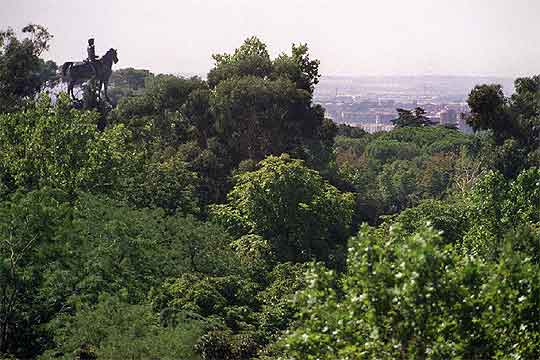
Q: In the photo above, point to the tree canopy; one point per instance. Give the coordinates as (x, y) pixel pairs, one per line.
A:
(227, 218)
(412, 118)
(22, 72)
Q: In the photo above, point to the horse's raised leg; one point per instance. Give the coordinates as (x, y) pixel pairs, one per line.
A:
(105, 86)
(100, 85)
(70, 90)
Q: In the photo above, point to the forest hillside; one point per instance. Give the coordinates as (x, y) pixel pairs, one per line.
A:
(227, 218)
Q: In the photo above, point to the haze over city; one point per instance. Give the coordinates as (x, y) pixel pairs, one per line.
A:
(417, 37)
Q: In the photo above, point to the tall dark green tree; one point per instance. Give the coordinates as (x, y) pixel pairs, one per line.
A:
(264, 106)
(412, 118)
(23, 72)
(489, 110)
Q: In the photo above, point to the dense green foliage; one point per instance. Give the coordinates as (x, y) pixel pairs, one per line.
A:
(516, 117)
(392, 171)
(22, 72)
(47, 145)
(303, 216)
(227, 219)
(414, 296)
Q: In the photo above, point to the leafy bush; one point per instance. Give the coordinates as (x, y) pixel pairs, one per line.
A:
(292, 206)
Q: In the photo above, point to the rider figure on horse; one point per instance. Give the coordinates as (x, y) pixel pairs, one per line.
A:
(95, 71)
(92, 58)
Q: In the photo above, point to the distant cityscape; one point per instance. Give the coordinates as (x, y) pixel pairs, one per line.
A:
(370, 102)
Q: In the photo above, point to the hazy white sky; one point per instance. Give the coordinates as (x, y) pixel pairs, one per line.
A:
(354, 37)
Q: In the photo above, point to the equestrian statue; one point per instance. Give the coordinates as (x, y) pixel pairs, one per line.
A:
(92, 69)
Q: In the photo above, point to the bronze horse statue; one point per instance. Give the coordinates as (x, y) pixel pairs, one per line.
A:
(76, 73)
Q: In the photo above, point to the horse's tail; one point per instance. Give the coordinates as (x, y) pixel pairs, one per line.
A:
(65, 67)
